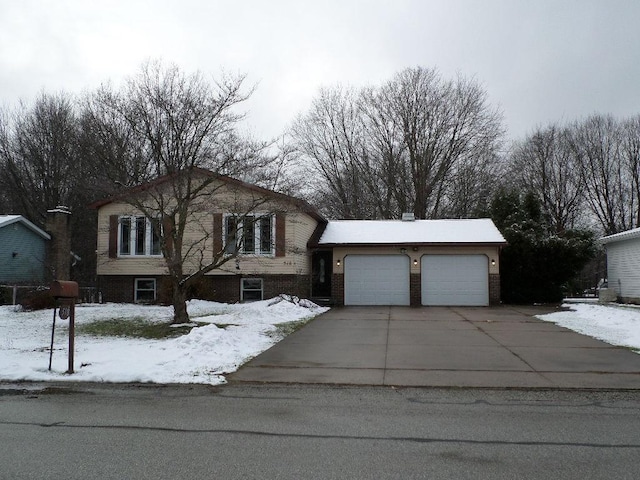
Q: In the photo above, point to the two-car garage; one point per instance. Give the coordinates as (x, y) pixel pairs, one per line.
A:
(444, 279)
(448, 262)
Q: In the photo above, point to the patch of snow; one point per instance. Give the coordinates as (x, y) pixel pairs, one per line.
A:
(613, 324)
(204, 355)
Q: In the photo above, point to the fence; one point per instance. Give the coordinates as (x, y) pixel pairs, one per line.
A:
(15, 294)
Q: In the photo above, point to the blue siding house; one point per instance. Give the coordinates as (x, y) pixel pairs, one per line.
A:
(23, 251)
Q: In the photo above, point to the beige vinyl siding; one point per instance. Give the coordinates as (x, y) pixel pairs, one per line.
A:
(299, 228)
(131, 265)
(623, 267)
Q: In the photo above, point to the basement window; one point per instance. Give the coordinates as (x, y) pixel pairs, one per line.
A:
(251, 289)
(145, 290)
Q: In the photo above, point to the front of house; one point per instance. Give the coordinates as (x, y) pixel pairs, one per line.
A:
(284, 245)
(265, 247)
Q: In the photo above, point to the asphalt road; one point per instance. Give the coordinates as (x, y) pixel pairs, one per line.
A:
(300, 432)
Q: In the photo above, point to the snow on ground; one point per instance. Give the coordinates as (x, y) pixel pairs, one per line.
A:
(614, 324)
(233, 335)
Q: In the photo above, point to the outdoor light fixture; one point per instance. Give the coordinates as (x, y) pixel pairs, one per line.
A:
(493, 262)
(338, 263)
(415, 261)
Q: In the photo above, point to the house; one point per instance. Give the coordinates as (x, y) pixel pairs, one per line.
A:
(413, 262)
(291, 248)
(623, 264)
(23, 251)
(269, 232)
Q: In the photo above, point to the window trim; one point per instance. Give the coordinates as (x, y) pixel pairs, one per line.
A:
(136, 289)
(257, 218)
(149, 228)
(242, 289)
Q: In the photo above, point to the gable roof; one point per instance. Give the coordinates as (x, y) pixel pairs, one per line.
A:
(618, 237)
(398, 232)
(6, 220)
(301, 204)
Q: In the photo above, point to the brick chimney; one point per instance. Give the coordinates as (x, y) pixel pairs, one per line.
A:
(59, 251)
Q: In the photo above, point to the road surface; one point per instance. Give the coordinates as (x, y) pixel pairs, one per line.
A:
(299, 432)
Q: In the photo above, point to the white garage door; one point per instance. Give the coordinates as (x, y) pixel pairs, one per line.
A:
(455, 280)
(376, 280)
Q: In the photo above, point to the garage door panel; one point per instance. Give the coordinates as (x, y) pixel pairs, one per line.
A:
(455, 280)
(376, 280)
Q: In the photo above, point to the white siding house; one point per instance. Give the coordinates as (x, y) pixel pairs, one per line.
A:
(623, 264)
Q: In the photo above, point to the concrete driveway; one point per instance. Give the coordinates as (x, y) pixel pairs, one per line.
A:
(502, 347)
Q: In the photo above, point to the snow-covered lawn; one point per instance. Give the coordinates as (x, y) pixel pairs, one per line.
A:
(233, 334)
(617, 325)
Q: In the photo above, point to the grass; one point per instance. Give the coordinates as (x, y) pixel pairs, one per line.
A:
(136, 327)
(139, 327)
(281, 330)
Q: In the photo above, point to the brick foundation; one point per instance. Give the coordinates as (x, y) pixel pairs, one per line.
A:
(337, 289)
(217, 288)
(415, 290)
(494, 289)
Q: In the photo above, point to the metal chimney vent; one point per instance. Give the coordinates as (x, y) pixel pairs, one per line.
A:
(408, 217)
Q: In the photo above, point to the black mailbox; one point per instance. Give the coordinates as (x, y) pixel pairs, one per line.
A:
(64, 289)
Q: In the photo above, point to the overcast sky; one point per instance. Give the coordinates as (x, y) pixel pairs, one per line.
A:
(539, 60)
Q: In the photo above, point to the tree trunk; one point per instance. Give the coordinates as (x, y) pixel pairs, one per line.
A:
(180, 314)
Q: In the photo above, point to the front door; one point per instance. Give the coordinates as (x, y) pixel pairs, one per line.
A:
(321, 271)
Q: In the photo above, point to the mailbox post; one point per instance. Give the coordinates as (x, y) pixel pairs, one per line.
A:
(65, 294)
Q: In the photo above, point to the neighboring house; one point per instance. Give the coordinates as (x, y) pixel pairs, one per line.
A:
(23, 251)
(293, 249)
(623, 264)
(413, 262)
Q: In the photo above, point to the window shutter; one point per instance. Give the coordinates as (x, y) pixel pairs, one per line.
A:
(280, 235)
(113, 236)
(217, 233)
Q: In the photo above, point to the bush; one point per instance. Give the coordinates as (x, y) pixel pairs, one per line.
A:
(538, 264)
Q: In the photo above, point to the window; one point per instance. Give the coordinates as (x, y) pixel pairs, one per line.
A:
(249, 234)
(138, 236)
(250, 289)
(145, 290)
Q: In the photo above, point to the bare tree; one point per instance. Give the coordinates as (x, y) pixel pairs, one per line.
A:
(42, 166)
(40, 156)
(630, 152)
(331, 134)
(404, 146)
(597, 145)
(443, 124)
(544, 164)
(181, 129)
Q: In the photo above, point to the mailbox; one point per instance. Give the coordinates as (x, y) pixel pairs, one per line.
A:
(64, 289)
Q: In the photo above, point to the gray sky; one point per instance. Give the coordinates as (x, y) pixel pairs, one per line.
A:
(540, 61)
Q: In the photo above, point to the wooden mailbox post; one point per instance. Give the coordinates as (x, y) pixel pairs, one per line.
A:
(65, 293)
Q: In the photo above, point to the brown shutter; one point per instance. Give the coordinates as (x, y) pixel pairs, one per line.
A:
(281, 235)
(217, 233)
(113, 236)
